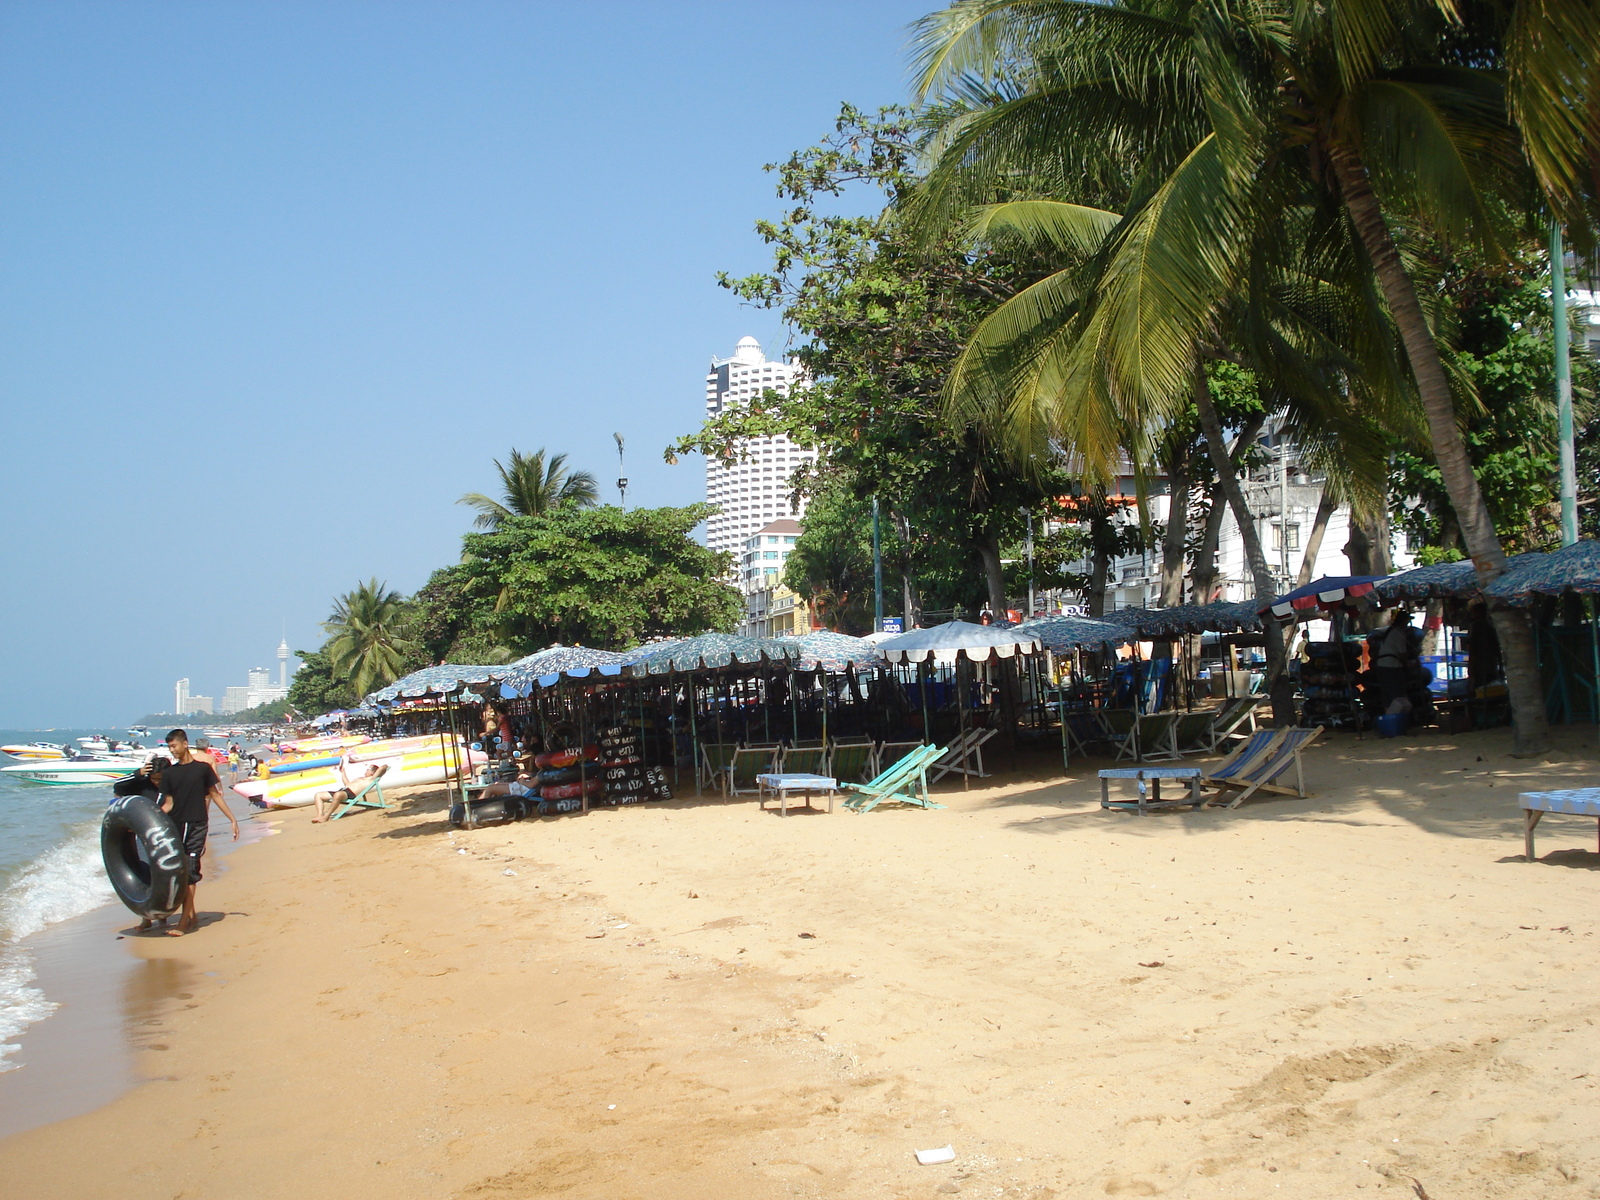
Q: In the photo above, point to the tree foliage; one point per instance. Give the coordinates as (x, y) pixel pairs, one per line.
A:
(314, 688)
(531, 485)
(369, 640)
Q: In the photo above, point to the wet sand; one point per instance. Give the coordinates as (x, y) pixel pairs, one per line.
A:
(1304, 997)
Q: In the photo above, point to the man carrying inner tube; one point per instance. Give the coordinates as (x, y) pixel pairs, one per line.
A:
(188, 788)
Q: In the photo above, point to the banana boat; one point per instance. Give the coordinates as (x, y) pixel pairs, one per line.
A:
(426, 762)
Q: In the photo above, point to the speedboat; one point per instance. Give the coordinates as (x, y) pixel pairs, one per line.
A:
(138, 731)
(81, 768)
(32, 751)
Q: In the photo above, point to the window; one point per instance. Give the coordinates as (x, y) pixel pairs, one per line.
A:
(788, 541)
(770, 554)
(1278, 539)
(772, 541)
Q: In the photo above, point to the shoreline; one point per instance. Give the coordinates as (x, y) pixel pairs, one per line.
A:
(1352, 990)
(81, 1055)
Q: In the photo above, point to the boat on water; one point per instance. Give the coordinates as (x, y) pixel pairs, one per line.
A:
(33, 751)
(79, 769)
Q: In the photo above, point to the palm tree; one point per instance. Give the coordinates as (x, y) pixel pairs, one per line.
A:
(368, 637)
(531, 486)
(1366, 119)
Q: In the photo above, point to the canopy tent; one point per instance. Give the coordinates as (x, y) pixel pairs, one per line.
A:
(958, 639)
(833, 652)
(1159, 623)
(1070, 633)
(444, 680)
(1432, 582)
(545, 668)
(1331, 591)
(1574, 568)
(709, 651)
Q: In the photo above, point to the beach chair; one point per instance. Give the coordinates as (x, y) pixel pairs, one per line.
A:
(805, 760)
(1120, 727)
(1193, 734)
(890, 753)
(851, 761)
(362, 794)
(746, 764)
(1156, 735)
(906, 782)
(1236, 720)
(960, 753)
(1279, 750)
(714, 763)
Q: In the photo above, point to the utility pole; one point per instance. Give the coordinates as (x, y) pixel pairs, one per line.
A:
(1030, 566)
(1283, 509)
(622, 474)
(877, 573)
(1558, 315)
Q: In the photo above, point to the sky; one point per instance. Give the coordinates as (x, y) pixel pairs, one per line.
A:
(279, 281)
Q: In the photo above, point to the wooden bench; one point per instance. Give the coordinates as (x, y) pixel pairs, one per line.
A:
(1581, 802)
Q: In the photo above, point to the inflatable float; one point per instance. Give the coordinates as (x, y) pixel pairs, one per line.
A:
(144, 857)
(423, 761)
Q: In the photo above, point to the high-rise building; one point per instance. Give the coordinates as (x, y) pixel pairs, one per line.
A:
(754, 490)
(180, 703)
(200, 704)
(283, 665)
(235, 699)
(260, 679)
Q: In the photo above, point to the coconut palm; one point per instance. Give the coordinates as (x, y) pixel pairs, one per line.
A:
(368, 637)
(1366, 119)
(530, 486)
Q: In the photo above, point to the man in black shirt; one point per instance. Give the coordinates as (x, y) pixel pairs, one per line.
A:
(188, 787)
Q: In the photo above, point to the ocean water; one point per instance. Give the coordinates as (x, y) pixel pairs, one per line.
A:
(50, 871)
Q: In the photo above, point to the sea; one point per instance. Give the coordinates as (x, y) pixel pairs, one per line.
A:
(50, 871)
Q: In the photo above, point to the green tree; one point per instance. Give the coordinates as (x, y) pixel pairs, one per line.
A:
(314, 690)
(530, 486)
(1375, 117)
(596, 576)
(831, 565)
(368, 637)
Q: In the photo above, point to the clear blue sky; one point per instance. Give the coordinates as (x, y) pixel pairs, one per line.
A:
(280, 280)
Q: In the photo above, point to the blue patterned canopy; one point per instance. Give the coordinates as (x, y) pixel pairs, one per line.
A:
(444, 680)
(1069, 633)
(1219, 617)
(1453, 580)
(1574, 568)
(709, 651)
(544, 668)
(833, 652)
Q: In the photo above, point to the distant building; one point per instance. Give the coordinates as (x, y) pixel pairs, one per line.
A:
(260, 678)
(235, 699)
(283, 666)
(180, 703)
(200, 704)
(753, 490)
(770, 608)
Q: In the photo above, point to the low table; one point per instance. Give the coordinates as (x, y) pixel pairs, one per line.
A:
(1582, 802)
(782, 785)
(1153, 776)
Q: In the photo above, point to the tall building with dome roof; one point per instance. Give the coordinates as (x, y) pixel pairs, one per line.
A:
(753, 491)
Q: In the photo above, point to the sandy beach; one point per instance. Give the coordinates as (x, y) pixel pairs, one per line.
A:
(1364, 991)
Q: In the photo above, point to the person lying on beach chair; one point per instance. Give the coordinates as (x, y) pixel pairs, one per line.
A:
(355, 786)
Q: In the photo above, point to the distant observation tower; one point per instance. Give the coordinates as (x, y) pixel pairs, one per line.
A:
(283, 664)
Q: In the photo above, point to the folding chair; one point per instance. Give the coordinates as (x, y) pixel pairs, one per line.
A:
(959, 754)
(1156, 735)
(851, 761)
(1193, 734)
(1236, 720)
(890, 753)
(805, 760)
(1120, 727)
(1279, 752)
(747, 763)
(714, 762)
(359, 799)
(906, 782)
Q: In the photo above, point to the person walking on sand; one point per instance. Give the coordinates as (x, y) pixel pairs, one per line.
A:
(188, 789)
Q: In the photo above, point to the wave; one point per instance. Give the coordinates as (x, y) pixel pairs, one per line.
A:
(64, 882)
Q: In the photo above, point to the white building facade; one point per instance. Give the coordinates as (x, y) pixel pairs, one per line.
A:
(754, 490)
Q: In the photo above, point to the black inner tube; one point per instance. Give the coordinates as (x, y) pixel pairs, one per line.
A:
(144, 857)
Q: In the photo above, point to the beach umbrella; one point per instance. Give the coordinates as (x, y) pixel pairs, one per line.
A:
(958, 639)
(1159, 623)
(443, 680)
(1070, 633)
(1329, 592)
(545, 668)
(1432, 582)
(709, 651)
(834, 652)
(1574, 568)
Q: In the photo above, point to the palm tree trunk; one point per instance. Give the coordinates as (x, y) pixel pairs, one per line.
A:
(1205, 559)
(1265, 586)
(1513, 626)
(993, 574)
(1176, 537)
(1326, 507)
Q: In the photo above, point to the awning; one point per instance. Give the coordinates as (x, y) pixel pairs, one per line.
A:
(959, 639)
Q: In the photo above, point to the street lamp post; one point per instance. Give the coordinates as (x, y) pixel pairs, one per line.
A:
(1558, 316)
(877, 573)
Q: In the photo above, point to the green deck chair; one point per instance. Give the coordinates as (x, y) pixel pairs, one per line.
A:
(892, 752)
(361, 800)
(1157, 736)
(1121, 729)
(1193, 735)
(804, 760)
(852, 761)
(714, 762)
(745, 765)
(906, 782)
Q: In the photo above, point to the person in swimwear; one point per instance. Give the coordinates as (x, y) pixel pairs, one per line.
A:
(353, 783)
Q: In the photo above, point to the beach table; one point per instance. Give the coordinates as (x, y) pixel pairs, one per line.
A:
(1582, 802)
(1150, 797)
(782, 785)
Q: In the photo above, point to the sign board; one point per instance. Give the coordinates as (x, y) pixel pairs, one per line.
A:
(891, 624)
(1074, 610)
